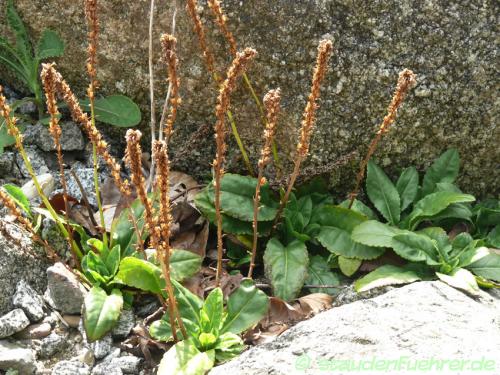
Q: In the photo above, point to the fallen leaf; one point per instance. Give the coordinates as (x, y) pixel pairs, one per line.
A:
(313, 303)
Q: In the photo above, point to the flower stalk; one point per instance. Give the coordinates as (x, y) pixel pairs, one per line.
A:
(406, 80)
(238, 66)
(272, 103)
(325, 49)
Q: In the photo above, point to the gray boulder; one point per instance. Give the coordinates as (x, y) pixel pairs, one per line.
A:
(64, 290)
(52, 344)
(124, 325)
(447, 43)
(28, 300)
(13, 322)
(70, 368)
(16, 357)
(71, 137)
(19, 260)
(421, 321)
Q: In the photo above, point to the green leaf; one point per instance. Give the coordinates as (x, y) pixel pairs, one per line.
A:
(493, 238)
(434, 203)
(5, 138)
(407, 187)
(416, 248)
(458, 211)
(286, 267)
(359, 207)
(383, 193)
(122, 229)
(184, 264)
(444, 169)
(117, 110)
(319, 273)
(102, 312)
(339, 242)
(228, 346)
(462, 279)
(246, 306)
(386, 275)
(113, 260)
(16, 193)
(487, 266)
(160, 329)
(188, 303)
(213, 308)
(50, 45)
(374, 233)
(185, 359)
(22, 39)
(204, 202)
(487, 213)
(141, 274)
(349, 266)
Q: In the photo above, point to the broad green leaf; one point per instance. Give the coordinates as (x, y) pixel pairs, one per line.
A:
(493, 238)
(360, 207)
(161, 329)
(460, 279)
(113, 260)
(185, 359)
(458, 211)
(188, 303)
(349, 266)
(286, 267)
(374, 233)
(204, 202)
(447, 186)
(319, 273)
(93, 262)
(416, 248)
(339, 241)
(123, 231)
(22, 39)
(385, 275)
(246, 306)
(5, 138)
(228, 346)
(184, 264)
(383, 193)
(336, 216)
(488, 266)
(487, 212)
(444, 169)
(141, 274)
(434, 203)
(298, 212)
(102, 312)
(50, 45)
(407, 187)
(117, 110)
(16, 193)
(213, 307)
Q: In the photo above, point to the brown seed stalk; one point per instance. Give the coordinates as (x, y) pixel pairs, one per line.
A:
(91, 131)
(92, 39)
(133, 157)
(406, 80)
(191, 6)
(237, 68)
(325, 49)
(221, 20)
(272, 104)
(168, 43)
(160, 155)
(55, 131)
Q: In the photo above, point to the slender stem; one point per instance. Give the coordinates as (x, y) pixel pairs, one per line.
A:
(240, 143)
(256, 202)
(218, 216)
(151, 91)
(284, 201)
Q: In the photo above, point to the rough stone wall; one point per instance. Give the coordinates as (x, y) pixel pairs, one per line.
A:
(450, 44)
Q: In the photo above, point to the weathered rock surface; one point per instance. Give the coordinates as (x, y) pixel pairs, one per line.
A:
(52, 344)
(17, 358)
(448, 44)
(13, 322)
(64, 289)
(71, 137)
(28, 300)
(124, 325)
(20, 262)
(421, 321)
(71, 368)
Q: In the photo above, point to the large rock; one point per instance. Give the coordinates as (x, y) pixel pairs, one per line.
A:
(16, 357)
(64, 290)
(13, 322)
(448, 44)
(421, 321)
(19, 260)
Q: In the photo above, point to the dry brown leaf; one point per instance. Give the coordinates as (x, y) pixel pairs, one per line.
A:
(194, 241)
(313, 303)
(183, 185)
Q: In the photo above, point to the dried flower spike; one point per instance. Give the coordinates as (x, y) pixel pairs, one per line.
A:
(221, 20)
(272, 103)
(325, 49)
(191, 6)
(237, 68)
(406, 80)
(168, 43)
(92, 39)
(164, 223)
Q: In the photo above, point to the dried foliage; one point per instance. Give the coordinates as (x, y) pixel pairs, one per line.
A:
(168, 43)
